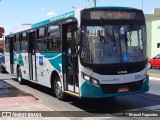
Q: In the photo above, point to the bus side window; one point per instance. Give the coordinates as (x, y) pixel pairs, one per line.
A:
(54, 44)
(24, 43)
(17, 43)
(7, 45)
(50, 47)
(54, 38)
(41, 33)
(41, 45)
(41, 42)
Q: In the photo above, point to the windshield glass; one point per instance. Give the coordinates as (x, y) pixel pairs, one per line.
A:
(113, 44)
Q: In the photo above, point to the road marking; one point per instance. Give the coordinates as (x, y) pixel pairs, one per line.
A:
(154, 78)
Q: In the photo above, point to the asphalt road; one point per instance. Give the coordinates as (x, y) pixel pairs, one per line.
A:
(101, 107)
(154, 70)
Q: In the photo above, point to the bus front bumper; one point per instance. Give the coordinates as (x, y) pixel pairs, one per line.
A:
(88, 90)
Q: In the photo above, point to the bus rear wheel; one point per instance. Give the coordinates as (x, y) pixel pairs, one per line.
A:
(19, 77)
(58, 89)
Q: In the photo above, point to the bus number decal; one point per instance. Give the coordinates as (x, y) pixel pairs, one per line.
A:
(138, 77)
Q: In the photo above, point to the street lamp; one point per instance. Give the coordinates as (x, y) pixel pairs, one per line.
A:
(142, 4)
(95, 2)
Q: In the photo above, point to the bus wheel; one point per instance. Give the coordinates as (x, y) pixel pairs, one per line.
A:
(19, 76)
(58, 89)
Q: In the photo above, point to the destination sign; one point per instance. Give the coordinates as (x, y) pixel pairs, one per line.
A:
(111, 15)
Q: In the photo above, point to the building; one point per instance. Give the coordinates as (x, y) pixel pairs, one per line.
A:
(2, 37)
(1, 46)
(153, 32)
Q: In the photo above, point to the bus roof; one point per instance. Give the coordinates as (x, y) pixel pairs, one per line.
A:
(113, 7)
(72, 14)
(54, 19)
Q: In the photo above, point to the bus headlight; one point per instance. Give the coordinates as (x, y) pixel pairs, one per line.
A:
(88, 78)
(94, 81)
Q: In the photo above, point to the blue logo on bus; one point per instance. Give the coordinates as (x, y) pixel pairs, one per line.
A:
(40, 60)
(125, 57)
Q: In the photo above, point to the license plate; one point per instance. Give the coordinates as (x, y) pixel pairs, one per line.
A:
(123, 89)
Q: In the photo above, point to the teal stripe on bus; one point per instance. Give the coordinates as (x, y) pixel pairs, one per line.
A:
(55, 59)
(54, 19)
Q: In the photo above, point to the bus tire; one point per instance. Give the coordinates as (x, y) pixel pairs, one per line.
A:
(19, 76)
(58, 89)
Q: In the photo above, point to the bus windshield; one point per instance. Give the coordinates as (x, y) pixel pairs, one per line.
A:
(109, 44)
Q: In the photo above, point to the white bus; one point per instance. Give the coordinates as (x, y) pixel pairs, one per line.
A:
(88, 53)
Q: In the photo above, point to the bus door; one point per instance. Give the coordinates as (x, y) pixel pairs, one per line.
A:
(70, 59)
(11, 54)
(31, 56)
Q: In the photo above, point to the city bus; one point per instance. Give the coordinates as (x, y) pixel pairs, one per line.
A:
(94, 52)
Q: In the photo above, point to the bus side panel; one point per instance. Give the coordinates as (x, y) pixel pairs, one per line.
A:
(7, 62)
(47, 63)
(41, 69)
(24, 66)
(15, 62)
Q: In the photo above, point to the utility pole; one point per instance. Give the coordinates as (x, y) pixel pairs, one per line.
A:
(142, 4)
(95, 1)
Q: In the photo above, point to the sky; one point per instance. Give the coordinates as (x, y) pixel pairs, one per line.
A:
(17, 12)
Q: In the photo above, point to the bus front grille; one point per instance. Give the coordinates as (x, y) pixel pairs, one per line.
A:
(119, 68)
(113, 88)
(115, 70)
